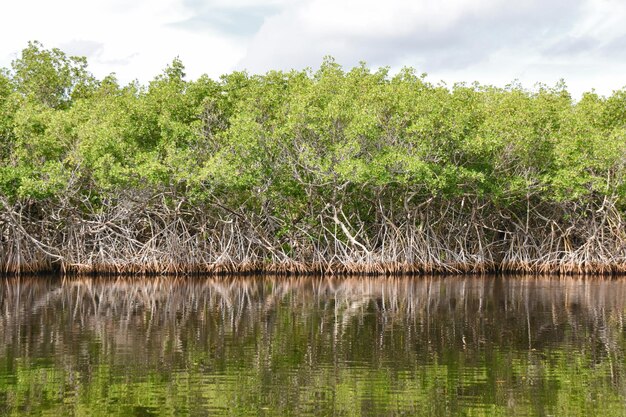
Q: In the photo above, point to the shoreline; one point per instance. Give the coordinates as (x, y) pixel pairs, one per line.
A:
(302, 269)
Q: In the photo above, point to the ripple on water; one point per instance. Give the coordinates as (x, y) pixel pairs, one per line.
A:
(313, 346)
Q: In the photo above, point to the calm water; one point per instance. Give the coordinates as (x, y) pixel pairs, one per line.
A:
(312, 346)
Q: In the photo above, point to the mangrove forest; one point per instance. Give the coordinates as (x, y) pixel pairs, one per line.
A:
(328, 170)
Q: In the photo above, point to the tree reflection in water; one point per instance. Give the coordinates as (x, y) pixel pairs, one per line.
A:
(343, 346)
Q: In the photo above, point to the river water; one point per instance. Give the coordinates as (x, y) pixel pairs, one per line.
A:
(312, 346)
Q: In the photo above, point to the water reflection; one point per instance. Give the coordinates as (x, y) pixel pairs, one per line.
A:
(318, 346)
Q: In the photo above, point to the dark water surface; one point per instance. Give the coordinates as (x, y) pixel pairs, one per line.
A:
(312, 346)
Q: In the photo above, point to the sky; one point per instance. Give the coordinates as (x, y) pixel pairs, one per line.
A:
(493, 42)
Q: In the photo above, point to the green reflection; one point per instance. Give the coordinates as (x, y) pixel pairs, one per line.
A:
(312, 346)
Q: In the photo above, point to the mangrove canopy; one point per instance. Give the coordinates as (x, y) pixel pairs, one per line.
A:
(329, 170)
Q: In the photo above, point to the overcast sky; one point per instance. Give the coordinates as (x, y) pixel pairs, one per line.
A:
(490, 41)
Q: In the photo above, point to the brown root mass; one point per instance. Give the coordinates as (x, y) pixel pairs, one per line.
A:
(451, 237)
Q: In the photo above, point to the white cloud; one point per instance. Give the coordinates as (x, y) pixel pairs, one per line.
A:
(136, 39)
(492, 41)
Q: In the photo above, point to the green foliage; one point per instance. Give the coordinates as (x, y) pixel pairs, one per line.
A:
(51, 77)
(8, 107)
(301, 137)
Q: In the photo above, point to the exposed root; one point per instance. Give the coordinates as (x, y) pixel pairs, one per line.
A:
(142, 235)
